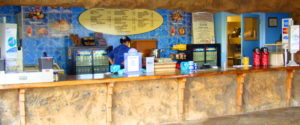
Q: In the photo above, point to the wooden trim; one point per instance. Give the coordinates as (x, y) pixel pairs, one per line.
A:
(22, 112)
(289, 80)
(181, 88)
(74, 81)
(240, 91)
(109, 100)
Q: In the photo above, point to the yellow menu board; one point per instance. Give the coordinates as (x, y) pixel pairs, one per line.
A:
(120, 21)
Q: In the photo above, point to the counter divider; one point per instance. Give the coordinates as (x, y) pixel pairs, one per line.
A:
(71, 81)
(182, 84)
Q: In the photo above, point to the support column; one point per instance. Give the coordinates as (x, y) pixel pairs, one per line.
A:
(181, 87)
(289, 80)
(239, 91)
(22, 106)
(110, 87)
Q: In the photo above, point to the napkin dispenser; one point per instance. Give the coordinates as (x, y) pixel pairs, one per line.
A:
(45, 63)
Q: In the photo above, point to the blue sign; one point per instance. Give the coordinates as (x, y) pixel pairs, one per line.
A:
(285, 23)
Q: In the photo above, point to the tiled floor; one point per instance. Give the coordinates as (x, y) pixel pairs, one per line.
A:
(285, 116)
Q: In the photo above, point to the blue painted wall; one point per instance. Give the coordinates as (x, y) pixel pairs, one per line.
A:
(266, 34)
(57, 47)
(248, 46)
(10, 13)
(220, 21)
(273, 34)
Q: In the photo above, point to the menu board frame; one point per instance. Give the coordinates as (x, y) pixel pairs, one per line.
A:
(120, 21)
(203, 28)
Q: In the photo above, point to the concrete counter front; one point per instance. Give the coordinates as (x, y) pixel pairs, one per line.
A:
(149, 100)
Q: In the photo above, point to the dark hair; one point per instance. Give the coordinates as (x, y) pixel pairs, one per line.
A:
(124, 39)
(109, 49)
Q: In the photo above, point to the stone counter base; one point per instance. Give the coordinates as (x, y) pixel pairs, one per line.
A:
(150, 102)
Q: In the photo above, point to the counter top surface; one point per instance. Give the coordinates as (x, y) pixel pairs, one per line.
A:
(67, 80)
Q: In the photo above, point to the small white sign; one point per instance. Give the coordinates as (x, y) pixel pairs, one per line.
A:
(286, 23)
(133, 63)
(149, 64)
(294, 38)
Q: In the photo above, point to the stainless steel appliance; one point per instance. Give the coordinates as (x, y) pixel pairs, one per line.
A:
(156, 53)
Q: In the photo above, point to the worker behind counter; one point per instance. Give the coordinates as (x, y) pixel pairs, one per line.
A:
(117, 55)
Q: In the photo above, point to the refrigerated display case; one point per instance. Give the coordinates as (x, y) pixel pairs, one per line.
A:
(100, 61)
(204, 54)
(211, 56)
(88, 60)
(199, 56)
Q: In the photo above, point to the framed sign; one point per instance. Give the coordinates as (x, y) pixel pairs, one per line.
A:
(203, 28)
(250, 28)
(272, 22)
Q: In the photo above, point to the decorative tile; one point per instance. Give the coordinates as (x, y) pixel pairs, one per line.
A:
(53, 16)
(172, 41)
(166, 20)
(66, 16)
(53, 10)
(163, 12)
(42, 31)
(9, 19)
(165, 53)
(16, 9)
(77, 9)
(189, 40)
(154, 33)
(182, 40)
(189, 31)
(57, 47)
(163, 43)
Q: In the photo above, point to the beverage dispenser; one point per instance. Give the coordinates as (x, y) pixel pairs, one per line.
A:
(264, 56)
(256, 57)
(9, 49)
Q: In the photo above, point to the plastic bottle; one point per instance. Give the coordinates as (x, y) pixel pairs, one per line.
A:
(55, 75)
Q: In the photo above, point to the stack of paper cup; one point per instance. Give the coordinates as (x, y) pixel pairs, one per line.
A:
(245, 61)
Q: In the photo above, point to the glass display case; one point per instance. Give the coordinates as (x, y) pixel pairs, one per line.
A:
(88, 60)
(204, 54)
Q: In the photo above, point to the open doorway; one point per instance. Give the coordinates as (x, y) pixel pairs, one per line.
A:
(233, 40)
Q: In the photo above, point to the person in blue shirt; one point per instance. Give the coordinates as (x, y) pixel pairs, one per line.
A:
(117, 55)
